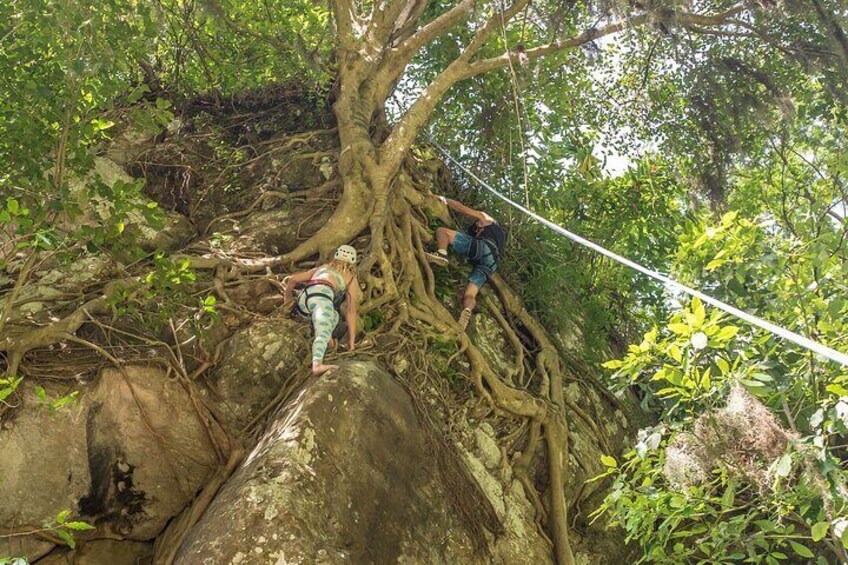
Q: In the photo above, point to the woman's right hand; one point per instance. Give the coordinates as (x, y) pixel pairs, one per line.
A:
(287, 288)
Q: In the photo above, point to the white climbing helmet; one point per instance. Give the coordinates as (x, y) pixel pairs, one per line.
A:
(346, 253)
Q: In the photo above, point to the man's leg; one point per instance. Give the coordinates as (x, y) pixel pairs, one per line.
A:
(478, 277)
(469, 296)
(444, 238)
(469, 302)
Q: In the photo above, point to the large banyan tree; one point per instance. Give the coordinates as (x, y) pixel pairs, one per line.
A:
(374, 45)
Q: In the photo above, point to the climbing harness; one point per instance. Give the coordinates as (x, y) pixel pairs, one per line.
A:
(781, 332)
(311, 288)
(481, 249)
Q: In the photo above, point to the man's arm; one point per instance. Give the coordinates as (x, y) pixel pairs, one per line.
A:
(482, 217)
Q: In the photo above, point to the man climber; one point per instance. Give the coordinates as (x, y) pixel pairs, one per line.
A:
(482, 244)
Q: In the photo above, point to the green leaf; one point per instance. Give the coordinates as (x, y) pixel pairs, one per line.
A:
(727, 332)
(729, 496)
(680, 329)
(820, 530)
(12, 206)
(801, 550)
(668, 392)
(699, 311)
(765, 525)
(838, 390)
(79, 526)
(675, 353)
(715, 264)
(609, 461)
(65, 535)
(62, 516)
(13, 385)
(705, 379)
(784, 466)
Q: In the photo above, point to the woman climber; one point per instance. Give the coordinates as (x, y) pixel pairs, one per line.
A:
(482, 244)
(325, 288)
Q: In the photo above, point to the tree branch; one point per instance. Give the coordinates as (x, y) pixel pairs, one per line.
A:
(499, 18)
(344, 12)
(409, 125)
(406, 50)
(408, 20)
(682, 18)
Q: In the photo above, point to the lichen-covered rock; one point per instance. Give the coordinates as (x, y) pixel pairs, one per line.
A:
(175, 233)
(274, 231)
(45, 463)
(127, 457)
(342, 474)
(521, 541)
(38, 302)
(255, 363)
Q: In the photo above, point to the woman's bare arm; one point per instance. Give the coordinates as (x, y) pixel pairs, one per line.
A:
(352, 299)
(295, 278)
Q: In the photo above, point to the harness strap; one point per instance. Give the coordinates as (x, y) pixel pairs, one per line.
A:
(316, 282)
(306, 289)
(489, 249)
(493, 247)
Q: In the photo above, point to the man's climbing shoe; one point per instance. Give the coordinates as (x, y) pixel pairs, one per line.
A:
(464, 318)
(438, 259)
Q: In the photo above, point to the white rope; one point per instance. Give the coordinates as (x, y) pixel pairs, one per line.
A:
(804, 342)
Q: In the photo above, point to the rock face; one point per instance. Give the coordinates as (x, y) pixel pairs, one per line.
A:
(342, 474)
(103, 552)
(272, 231)
(255, 363)
(127, 457)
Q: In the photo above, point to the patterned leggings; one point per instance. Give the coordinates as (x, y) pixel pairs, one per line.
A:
(324, 319)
